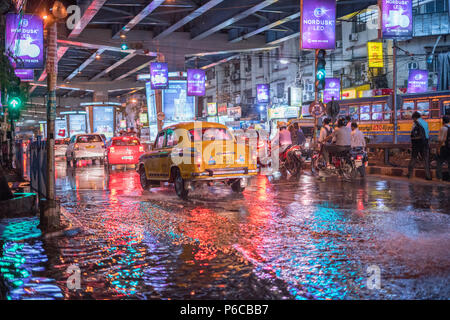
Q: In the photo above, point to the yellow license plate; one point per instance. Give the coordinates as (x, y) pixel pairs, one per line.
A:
(90, 147)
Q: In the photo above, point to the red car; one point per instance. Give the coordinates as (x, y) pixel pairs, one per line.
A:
(123, 150)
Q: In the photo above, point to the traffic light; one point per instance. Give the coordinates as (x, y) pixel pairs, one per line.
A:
(15, 102)
(320, 69)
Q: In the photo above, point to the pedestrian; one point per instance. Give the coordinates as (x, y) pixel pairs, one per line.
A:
(444, 147)
(420, 145)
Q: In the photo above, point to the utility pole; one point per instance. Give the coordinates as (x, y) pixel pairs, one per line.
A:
(394, 85)
(50, 219)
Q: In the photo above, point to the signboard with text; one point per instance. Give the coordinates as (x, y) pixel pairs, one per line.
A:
(397, 19)
(196, 82)
(262, 93)
(318, 24)
(25, 74)
(25, 40)
(212, 109)
(417, 81)
(332, 89)
(375, 54)
(159, 75)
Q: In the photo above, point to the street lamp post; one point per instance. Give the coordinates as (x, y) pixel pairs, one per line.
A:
(50, 219)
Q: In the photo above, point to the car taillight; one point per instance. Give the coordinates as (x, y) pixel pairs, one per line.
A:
(141, 148)
(112, 150)
(359, 157)
(76, 146)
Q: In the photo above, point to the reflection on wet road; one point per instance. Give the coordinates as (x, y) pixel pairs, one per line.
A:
(306, 239)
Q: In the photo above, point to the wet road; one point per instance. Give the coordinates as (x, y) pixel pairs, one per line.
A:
(306, 239)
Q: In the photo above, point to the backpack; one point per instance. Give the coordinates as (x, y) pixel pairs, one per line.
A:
(418, 134)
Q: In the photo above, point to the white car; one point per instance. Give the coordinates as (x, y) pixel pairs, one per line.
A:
(61, 147)
(90, 146)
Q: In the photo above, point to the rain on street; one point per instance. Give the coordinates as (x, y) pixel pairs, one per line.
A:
(310, 238)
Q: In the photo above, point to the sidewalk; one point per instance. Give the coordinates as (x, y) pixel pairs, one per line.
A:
(399, 172)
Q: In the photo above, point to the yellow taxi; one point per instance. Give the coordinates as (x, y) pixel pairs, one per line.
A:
(191, 153)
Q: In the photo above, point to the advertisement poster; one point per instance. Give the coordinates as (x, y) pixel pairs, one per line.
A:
(77, 124)
(332, 89)
(295, 96)
(212, 109)
(234, 112)
(104, 121)
(151, 104)
(159, 75)
(177, 105)
(222, 109)
(397, 20)
(262, 93)
(25, 74)
(375, 54)
(196, 82)
(417, 81)
(61, 128)
(318, 24)
(25, 40)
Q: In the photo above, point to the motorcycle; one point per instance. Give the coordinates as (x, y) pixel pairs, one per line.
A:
(343, 164)
(360, 158)
(291, 161)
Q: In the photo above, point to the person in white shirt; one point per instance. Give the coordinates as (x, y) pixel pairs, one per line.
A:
(325, 131)
(358, 140)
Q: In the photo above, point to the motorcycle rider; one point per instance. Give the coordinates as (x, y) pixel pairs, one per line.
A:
(283, 137)
(325, 131)
(342, 139)
(358, 140)
(358, 145)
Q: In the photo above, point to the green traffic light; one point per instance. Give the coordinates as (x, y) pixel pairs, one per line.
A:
(15, 103)
(321, 74)
(124, 46)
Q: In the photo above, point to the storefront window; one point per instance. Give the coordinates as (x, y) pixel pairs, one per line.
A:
(353, 112)
(407, 110)
(423, 107)
(377, 110)
(365, 113)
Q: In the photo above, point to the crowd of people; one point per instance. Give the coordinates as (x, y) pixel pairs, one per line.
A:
(347, 136)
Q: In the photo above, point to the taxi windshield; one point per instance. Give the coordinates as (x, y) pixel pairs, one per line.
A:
(210, 134)
(89, 139)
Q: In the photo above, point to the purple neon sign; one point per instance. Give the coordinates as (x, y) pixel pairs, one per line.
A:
(332, 89)
(159, 75)
(25, 41)
(196, 82)
(318, 24)
(417, 81)
(25, 74)
(397, 20)
(263, 93)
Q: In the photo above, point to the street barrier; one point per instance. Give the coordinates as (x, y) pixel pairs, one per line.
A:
(38, 167)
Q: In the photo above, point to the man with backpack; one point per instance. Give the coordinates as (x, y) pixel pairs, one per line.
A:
(420, 145)
(444, 150)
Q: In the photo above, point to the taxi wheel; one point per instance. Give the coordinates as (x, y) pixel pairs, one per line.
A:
(236, 186)
(145, 183)
(180, 188)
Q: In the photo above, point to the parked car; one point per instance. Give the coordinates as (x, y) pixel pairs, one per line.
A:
(192, 153)
(85, 147)
(123, 150)
(61, 147)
